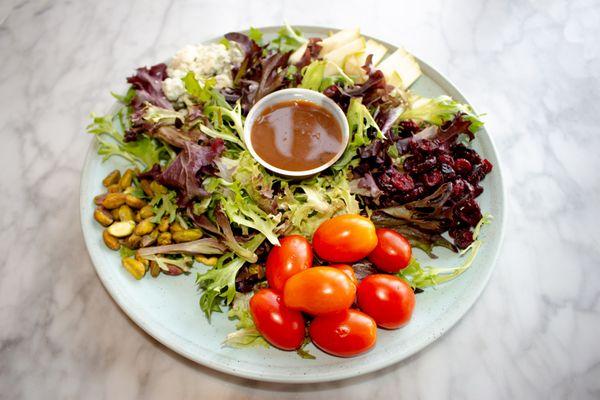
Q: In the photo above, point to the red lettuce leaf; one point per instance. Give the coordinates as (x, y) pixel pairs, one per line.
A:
(259, 74)
(425, 178)
(313, 48)
(147, 83)
(176, 137)
(183, 172)
(375, 92)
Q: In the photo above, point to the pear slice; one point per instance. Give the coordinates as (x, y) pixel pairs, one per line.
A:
(297, 55)
(339, 55)
(338, 39)
(400, 69)
(353, 64)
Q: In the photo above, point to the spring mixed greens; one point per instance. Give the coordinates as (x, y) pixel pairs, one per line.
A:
(407, 166)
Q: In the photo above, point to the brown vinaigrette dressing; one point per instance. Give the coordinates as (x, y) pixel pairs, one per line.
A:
(296, 135)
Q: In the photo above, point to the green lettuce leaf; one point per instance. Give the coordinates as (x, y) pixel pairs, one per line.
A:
(360, 121)
(244, 212)
(204, 92)
(246, 334)
(314, 201)
(256, 181)
(156, 115)
(228, 119)
(164, 205)
(421, 277)
(288, 39)
(126, 98)
(313, 76)
(142, 153)
(218, 284)
(439, 110)
(256, 35)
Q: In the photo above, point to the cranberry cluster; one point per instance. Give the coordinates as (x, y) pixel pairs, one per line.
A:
(427, 165)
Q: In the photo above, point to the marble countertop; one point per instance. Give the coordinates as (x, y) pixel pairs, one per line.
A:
(533, 66)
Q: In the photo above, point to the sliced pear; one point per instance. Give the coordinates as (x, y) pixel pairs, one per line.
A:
(297, 55)
(353, 64)
(377, 49)
(393, 78)
(400, 69)
(339, 39)
(338, 55)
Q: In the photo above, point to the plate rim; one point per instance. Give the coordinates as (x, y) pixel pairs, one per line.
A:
(173, 342)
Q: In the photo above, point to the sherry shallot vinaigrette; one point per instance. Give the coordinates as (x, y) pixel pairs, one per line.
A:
(296, 135)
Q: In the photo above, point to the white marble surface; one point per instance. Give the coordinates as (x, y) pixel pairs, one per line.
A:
(533, 66)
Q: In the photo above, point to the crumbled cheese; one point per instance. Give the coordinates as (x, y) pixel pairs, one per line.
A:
(205, 61)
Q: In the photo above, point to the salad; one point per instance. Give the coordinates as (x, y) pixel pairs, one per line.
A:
(292, 260)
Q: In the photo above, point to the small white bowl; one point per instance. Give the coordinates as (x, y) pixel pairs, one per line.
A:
(296, 94)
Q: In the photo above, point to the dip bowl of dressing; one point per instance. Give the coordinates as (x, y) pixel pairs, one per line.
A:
(296, 133)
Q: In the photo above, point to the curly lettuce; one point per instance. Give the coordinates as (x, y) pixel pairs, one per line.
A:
(218, 284)
(421, 277)
(439, 110)
(314, 201)
(246, 334)
(142, 153)
(314, 76)
(360, 121)
(244, 212)
(288, 39)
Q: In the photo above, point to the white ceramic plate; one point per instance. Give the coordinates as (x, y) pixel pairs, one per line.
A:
(167, 307)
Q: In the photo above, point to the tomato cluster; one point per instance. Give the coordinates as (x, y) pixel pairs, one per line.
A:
(343, 313)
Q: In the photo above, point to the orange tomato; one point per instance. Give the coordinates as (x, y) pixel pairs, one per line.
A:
(319, 290)
(348, 270)
(293, 255)
(345, 238)
(344, 334)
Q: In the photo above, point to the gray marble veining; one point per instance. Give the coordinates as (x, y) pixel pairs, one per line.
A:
(533, 66)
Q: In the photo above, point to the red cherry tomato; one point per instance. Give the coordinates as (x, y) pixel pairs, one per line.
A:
(345, 238)
(348, 270)
(344, 334)
(293, 255)
(319, 290)
(386, 298)
(280, 326)
(392, 252)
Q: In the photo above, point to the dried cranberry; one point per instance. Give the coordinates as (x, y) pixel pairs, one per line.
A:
(468, 211)
(408, 127)
(487, 166)
(432, 178)
(411, 195)
(477, 190)
(476, 175)
(423, 146)
(462, 166)
(463, 237)
(393, 180)
(446, 159)
(403, 182)
(410, 163)
(416, 167)
(460, 189)
(467, 153)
